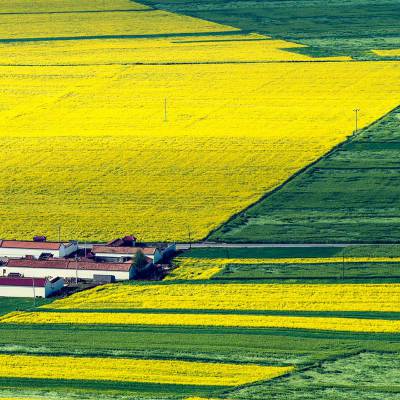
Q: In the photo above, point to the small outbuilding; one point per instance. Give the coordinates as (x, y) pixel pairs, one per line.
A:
(36, 248)
(123, 253)
(30, 287)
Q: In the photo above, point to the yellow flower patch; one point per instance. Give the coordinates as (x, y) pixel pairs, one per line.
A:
(263, 297)
(131, 370)
(226, 320)
(388, 52)
(231, 134)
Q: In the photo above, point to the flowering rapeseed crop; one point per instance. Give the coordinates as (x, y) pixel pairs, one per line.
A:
(195, 268)
(25, 6)
(294, 297)
(231, 134)
(227, 320)
(204, 268)
(131, 370)
(388, 52)
(199, 49)
(60, 25)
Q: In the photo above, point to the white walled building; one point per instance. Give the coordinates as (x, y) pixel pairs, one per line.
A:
(122, 254)
(22, 248)
(30, 287)
(67, 268)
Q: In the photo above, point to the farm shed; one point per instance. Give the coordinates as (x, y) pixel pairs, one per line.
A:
(21, 248)
(29, 287)
(67, 268)
(128, 241)
(123, 253)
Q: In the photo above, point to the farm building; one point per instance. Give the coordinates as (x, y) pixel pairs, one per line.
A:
(68, 268)
(124, 253)
(127, 241)
(30, 287)
(22, 248)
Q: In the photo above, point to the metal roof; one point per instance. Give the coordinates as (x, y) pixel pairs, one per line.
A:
(37, 282)
(26, 244)
(122, 250)
(59, 263)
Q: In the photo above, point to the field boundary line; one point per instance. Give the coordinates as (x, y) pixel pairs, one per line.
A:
(308, 167)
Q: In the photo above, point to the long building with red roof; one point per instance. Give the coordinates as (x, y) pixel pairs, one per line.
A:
(29, 287)
(68, 268)
(24, 248)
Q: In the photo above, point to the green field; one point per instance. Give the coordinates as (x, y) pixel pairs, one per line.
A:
(379, 250)
(331, 28)
(335, 271)
(314, 353)
(351, 195)
(364, 375)
(9, 304)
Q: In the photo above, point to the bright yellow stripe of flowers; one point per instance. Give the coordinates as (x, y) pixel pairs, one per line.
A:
(252, 321)
(99, 24)
(199, 398)
(195, 272)
(29, 6)
(290, 297)
(130, 370)
(224, 261)
(149, 51)
(388, 52)
(205, 268)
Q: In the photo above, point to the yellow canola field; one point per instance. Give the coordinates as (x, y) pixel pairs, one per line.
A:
(263, 297)
(29, 6)
(131, 370)
(232, 133)
(60, 25)
(226, 320)
(204, 268)
(388, 52)
(193, 272)
(203, 49)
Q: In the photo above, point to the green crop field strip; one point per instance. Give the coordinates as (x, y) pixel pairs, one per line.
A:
(9, 304)
(343, 270)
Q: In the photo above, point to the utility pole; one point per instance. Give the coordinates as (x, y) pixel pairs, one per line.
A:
(356, 110)
(76, 265)
(343, 268)
(190, 237)
(34, 292)
(165, 111)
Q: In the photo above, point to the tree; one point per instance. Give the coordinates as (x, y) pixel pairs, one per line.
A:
(139, 262)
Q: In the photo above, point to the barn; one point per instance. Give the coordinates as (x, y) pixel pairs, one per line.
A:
(29, 287)
(68, 268)
(23, 248)
(124, 253)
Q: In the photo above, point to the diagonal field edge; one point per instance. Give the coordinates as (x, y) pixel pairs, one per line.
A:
(299, 172)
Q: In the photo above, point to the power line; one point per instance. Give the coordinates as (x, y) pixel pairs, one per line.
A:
(356, 110)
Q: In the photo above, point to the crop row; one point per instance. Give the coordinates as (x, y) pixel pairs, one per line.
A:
(285, 297)
(131, 370)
